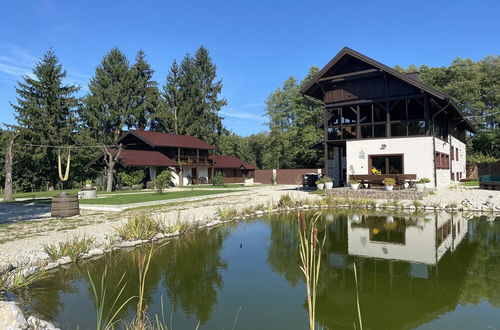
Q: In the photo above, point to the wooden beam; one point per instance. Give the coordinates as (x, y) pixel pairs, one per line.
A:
(348, 75)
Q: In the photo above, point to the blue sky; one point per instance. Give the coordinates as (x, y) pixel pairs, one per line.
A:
(255, 44)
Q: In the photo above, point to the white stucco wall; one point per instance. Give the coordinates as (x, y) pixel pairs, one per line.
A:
(460, 165)
(417, 153)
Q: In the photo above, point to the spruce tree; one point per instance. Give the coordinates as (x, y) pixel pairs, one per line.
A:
(45, 116)
(145, 94)
(108, 107)
(166, 119)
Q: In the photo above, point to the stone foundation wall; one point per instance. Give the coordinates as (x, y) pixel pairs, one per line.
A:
(376, 194)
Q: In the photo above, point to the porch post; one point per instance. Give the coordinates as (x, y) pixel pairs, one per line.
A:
(181, 175)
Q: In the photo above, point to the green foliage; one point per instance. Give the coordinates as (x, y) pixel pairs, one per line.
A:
(130, 178)
(139, 227)
(286, 200)
(45, 114)
(162, 180)
(218, 179)
(72, 248)
(292, 125)
(480, 158)
(227, 213)
(190, 99)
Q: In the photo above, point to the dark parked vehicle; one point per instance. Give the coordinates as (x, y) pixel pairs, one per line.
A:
(309, 179)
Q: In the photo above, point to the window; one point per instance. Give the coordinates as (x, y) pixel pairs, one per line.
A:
(349, 115)
(349, 132)
(379, 130)
(415, 110)
(365, 113)
(442, 161)
(387, 164)
(398, 129)
(379, 114)
(398, 111)
(456, 154)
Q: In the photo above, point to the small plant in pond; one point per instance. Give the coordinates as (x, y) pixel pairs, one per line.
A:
(417, 203)
(139, 227)
(72, 248)
(162, 180)
(218, 179)
(286, 200)
(452, 206)
(16, 281)
(227, 212)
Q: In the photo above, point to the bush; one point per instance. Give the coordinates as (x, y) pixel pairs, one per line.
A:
(163, 180)
(130, 178)
(389, 182)
(424, 180)
(218, 179)
(480, 158)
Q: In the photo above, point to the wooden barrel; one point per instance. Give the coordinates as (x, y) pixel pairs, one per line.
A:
(64, 205)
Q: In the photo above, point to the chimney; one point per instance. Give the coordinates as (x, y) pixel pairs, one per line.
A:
(413, 75)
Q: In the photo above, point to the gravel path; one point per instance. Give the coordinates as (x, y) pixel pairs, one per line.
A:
(459, 195)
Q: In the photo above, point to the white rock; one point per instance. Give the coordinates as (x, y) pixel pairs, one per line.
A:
(96, 252)
(64, 260)
(126, 244)
(6, 267)
(259, 212)
(38, 324)
(51, 265)
(29, 271)
(43, 256)
(11, 316)
(160, 236)
(85, 256)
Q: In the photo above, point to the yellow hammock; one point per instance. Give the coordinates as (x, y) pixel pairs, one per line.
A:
(59, 167)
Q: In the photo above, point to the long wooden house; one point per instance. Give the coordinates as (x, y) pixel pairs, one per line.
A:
(192, 160)
(378, 118)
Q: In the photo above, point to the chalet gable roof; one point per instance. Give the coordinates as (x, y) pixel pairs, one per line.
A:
(160, 139)
(313, 88)
(310, 87)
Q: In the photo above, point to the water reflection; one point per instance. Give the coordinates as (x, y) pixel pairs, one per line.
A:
(413, 271)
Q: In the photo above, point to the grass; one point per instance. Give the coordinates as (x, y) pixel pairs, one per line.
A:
(139, 227)
(227, 212)
(17, 282)
(474, 183)
(72, 247)
(49, 194)
(140, 198)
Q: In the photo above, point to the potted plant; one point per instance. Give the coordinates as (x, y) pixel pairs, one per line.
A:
(427, 183)
(88, 184)
(420, 185)
(354, 184)
(88, 191)
(389, 183)
(319, 184)
(328, 182)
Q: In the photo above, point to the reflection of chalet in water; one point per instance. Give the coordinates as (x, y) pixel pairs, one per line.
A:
(377, 117)
(406, 238)
(405, 275)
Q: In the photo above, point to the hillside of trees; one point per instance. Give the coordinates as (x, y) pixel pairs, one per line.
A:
(123, 95)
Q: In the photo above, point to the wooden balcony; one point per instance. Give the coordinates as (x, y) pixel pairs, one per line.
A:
(194, 160)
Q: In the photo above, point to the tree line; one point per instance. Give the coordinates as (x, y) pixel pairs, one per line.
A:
(123, 95)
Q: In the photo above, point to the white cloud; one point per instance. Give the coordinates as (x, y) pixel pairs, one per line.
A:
(254, 105)
(242, 115)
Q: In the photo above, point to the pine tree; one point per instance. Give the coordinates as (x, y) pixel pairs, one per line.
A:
(45, 116)
(166, 119)
(109, 107)
(145, 94)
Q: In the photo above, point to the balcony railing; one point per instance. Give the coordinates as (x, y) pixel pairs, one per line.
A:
(193, 160)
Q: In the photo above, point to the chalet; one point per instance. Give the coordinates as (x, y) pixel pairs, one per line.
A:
(376, 118)
(192, 160)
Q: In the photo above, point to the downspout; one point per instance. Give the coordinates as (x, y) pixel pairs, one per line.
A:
(434, 141)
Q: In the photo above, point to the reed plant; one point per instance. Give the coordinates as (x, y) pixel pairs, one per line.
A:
(286, 200)
(16, 281)
(140, 227)
(310, 257)
(72, 247)
(358, 305)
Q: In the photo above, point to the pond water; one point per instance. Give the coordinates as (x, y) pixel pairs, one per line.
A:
(438, 271)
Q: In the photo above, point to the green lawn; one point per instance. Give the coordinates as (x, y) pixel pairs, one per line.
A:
(49, 194)
(139, 198)
(474, 183)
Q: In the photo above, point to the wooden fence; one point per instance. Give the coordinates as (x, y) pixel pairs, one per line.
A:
(488, 169)
(287, 176)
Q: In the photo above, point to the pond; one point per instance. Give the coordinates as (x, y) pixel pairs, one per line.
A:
(435, 271)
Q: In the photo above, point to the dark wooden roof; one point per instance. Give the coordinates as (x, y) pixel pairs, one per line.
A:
(231, 162)
(314, 90)
(159, 139)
